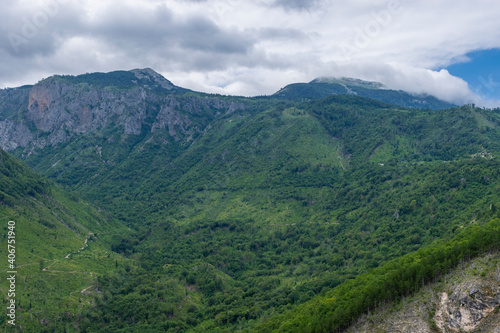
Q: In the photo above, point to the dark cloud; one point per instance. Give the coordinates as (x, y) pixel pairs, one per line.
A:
(201, 34)
(296, 4)
(147, 36)
(147, 33)
(18, 45)
(192, 40)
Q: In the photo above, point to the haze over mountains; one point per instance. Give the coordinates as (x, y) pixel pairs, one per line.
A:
(217, 213)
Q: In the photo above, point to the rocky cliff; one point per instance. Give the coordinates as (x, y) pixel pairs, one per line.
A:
(62, 107)
(466, 300)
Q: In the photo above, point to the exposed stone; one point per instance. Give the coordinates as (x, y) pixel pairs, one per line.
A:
(13, 135)
(151, 75)
(56, 110)
(469, 303)
(169, 117)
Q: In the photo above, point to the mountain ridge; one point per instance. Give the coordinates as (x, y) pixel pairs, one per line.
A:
(327, 86)
(60, 107)
(349, 81)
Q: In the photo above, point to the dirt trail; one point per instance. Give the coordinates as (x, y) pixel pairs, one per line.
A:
(83, 248)
(81, 291)
(46, 269)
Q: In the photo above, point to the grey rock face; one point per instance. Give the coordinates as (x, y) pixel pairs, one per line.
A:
(58, 109)
(465, 308)
(465, 300)
(169, 118)
(13, 135)
(66, 110)
(151, 75)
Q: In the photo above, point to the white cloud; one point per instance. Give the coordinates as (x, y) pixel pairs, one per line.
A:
(252, 47)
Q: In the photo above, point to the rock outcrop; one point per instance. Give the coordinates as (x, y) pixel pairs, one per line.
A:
(13, 135)
(466, 307)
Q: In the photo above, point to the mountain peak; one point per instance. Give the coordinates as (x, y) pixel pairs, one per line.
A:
(349, 81)
(151, 75)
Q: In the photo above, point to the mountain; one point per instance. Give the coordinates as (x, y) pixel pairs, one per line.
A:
(323, 87)
(142, 97)
(61, 107)
(246, 213)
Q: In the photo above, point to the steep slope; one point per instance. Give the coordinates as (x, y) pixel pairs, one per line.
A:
(464, 300)
(324, 87)
(59, 247)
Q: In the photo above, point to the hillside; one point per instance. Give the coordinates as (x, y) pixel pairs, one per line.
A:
(243, 210)
(462, 300)
(59, 247)
(465, 302)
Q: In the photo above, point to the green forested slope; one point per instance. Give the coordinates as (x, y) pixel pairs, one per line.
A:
(59, 248)
(339, 307)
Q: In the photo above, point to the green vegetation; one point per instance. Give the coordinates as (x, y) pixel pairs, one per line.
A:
(279, 215)
(113, 80)
(60, 247)
(398, 278)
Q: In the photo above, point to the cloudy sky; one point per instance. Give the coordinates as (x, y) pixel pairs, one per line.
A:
(448, 48)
